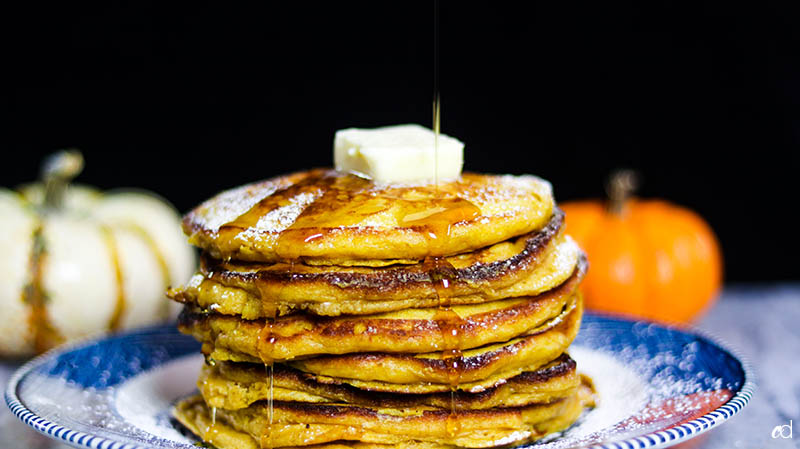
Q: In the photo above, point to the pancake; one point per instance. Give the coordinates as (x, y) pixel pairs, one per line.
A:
(404, 331)
(335, 218)
(232, 386)
(335, 291)
(304, 424)
(490, 268)
(477, 368)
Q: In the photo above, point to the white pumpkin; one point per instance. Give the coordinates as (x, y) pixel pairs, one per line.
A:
(75, 261)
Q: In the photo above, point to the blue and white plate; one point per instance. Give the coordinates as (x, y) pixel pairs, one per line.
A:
(658, 386)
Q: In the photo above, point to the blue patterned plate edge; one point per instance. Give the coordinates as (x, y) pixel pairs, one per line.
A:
(702, 424)
(658, 439)
(56, 431)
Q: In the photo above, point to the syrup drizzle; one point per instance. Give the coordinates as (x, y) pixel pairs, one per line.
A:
(266, 343)
(270, 402)
(437, 111)
(211, 430)
(340, 208)
(285, 201)
(451, 326)
(436, 99)
(266, 347)
(324, 203)
(445, 212)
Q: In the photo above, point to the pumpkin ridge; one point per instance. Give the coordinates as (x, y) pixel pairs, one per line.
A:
(166, 274)
(119, 307)
(45, 335)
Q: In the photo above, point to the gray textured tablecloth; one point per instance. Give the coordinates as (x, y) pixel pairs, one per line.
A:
(761, 322)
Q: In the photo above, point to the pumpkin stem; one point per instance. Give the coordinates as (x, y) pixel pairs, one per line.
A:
(621, 185)
(57, 172)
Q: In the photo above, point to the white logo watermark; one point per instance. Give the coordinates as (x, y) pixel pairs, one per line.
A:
(784, 431)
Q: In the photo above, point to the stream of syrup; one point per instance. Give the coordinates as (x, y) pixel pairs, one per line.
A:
(266, 352)
(335, 208)
(270, 365)
(437, 110)
(266, 342)
(437, 104)
(441, 272)
(443, 275)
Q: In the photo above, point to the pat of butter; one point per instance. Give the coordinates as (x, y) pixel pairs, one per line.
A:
(398, 154)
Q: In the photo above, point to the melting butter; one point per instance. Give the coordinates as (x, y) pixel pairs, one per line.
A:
(405, 154)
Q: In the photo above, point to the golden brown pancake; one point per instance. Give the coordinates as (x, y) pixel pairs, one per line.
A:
(490, 268)
(341, 219)
(478, 368)
(305, 424)
(335, 291)
(232, 386)
(406, 331)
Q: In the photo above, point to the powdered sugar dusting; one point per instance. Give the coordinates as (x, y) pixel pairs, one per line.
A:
(639, 392)
(137, 411)
(282, 217)
(620, 390)
(229, 205)
(145, 400)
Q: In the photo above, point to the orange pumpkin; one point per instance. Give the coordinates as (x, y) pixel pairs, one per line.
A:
(650, 259)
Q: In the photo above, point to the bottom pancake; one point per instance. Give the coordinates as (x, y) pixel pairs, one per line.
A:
(306, 424)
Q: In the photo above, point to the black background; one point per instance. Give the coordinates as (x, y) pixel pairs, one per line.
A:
(189, 99)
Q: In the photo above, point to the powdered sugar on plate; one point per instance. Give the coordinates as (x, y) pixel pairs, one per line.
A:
(118, 392)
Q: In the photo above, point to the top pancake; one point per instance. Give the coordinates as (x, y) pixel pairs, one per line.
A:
(324, 216)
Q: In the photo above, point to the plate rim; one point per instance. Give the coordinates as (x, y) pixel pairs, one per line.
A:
(702, 424)
(657, 439)
(74, 438)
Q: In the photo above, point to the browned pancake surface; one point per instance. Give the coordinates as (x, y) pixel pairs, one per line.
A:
(332, 293)
(404, 331)
(232, 386)
(342, 219)
(305, 424)
(477, 369)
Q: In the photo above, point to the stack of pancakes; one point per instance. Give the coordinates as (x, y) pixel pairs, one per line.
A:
(335, 312)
